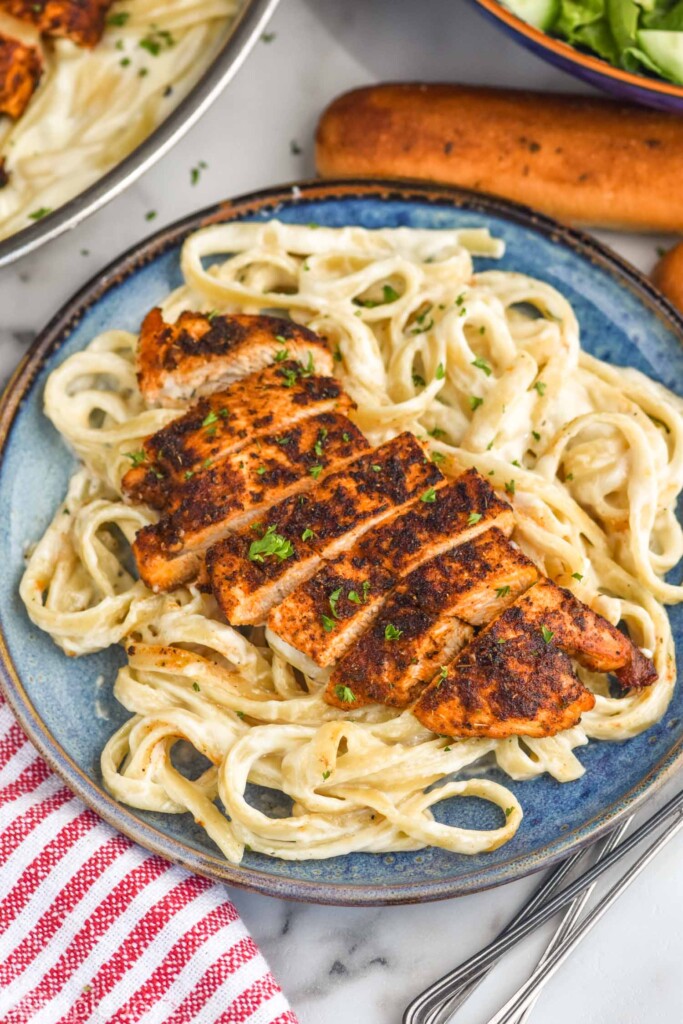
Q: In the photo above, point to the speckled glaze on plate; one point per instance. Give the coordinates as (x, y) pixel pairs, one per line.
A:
(622, 318)
(623, 85)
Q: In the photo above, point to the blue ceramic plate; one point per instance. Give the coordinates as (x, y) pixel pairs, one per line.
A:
(622, 84)
(623, 319)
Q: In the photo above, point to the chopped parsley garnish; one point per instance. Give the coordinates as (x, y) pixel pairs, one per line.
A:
(423, 323)
(326, 775)
(392, 632)
(281, 338)
(318, 446)
(315, 471)
(437, 432)
(261, 470)
(577, 576)
(517, 463)
(345, 694)
(356, 598)
(211, 417)
(157, 40)
(270, 544)
(188, 474)
(40, 213)
(137, 458)
(389, 294)
(440, 372)
(475, 402)
(118, 20)
(328, 623)
(150, 215)
(547, 634)
(346, 437)
(125, 62)
(540, 387)
(429, 496)
(569, 476)
(502, 591)
(438, 458)
(196, 172)
(307, 534)
(536, 436)
(211, 315)
(334, 601)
(207, 462)
(510, 487)
(294, 148)
(376, 468)
(195, 686)
(481, 364)
(268, 37)
(443, 672)
(508, 811)
(419, 381)
(240, 714)
(473, 518)
(283, 440)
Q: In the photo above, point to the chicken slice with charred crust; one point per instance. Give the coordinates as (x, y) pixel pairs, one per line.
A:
(299, 627)
(199, 354)
(81, 21)
(517, 677)
(264, 403)
(231, 493)
(255, 569)
(20, 70)
(583, 634)
(427, 619)
(508, 682)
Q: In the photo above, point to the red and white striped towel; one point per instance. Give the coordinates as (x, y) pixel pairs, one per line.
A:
(93, 930)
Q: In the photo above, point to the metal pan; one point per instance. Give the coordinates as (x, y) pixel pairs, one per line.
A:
(242, 34)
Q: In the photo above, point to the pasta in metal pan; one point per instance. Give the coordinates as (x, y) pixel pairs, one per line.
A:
(488, 367)
(94, 106)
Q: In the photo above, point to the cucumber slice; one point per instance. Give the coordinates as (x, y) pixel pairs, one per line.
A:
(539, 13)
(665, 49)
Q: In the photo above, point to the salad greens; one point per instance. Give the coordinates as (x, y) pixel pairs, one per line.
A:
(637, 35)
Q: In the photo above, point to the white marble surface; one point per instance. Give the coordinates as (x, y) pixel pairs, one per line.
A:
(342, 965)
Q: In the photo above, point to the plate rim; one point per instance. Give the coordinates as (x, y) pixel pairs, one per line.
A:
(242, 35)
(57, 332)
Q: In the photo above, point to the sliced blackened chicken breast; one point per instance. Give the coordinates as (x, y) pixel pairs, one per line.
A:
(81, 21)
(199, 354)
(20, 70)
(508, 682)
(303, 627)
(517, 677)
(428, 619)
(244, 485)
(255, 569)
(266, 402)
(582, 634)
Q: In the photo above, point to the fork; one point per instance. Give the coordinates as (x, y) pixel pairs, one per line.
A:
(448, 1008)
(423, 1008)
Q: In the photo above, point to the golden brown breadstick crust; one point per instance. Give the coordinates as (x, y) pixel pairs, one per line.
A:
(581, 159)
(668, 275)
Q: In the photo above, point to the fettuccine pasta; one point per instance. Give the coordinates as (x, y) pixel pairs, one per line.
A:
(486, 366)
